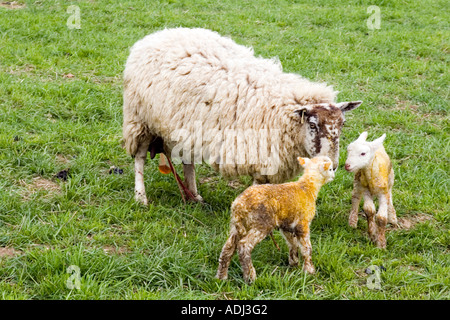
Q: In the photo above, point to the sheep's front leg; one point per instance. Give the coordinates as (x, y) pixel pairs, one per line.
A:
(356, 199)
(370, 211)
(245, 248)
(306, 251)
(139, 161)
(292, 243)
(189, 177)
(381, 219)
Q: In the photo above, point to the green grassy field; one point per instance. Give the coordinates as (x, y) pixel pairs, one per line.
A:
(61, 108)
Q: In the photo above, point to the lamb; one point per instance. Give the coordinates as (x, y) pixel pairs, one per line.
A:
(374, 177)
(195, 96)
(289, 207)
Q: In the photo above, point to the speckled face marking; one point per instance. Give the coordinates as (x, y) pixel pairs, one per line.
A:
(323, 128)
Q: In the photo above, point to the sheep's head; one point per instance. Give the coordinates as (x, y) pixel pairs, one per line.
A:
(322, 124)
(321, 164)
(361, 152)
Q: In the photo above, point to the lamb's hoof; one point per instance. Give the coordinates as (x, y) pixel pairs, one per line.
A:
(394, 223)
(221, 276)
(353, 220)
(309, 268)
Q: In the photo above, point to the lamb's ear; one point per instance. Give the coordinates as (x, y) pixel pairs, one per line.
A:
(362, 137)
(326, 165)
(375, 144)
(348, 106)
(303, 161)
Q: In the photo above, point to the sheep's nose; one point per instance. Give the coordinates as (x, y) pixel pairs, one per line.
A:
(347, 167)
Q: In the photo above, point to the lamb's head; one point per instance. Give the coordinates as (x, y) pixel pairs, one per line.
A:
(321, 165)
(361, 152)
(321, 128)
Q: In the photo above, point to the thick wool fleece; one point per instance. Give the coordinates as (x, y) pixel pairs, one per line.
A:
(176, 79)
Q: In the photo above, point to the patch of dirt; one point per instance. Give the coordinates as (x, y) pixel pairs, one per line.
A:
(38, 184)
(9, 252)
(115, 250)
(12, 5)
(63, 159)
(21, 69)
(235, 184)
(410, 222)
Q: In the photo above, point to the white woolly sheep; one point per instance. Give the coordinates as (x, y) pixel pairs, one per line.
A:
(374, 177)
(196, 91)
(289, 207)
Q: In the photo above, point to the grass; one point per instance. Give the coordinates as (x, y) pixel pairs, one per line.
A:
(60, 108)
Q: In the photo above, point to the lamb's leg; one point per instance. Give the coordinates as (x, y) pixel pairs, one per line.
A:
(356, 199)
(392, 215)
(381, 219)
(245, 248)
(189, 178)
(306, 251)
(227, 253)
(139, 161)
(370, 211)
(292, 243)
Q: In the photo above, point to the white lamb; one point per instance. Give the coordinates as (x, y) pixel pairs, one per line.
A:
(374, 177)
(196, 91)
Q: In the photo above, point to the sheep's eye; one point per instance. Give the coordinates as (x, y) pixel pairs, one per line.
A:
(312, 125)
(363, 154)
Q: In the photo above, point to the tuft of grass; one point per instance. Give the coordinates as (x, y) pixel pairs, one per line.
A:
(60, 108)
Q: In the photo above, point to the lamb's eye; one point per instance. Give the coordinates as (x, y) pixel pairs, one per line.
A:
(312, 125)
(363, 154)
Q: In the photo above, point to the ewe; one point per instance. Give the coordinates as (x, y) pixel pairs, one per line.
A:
(374, 177)
(196, 91)
(289, 207)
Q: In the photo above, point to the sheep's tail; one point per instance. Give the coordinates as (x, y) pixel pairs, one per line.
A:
(135, 131)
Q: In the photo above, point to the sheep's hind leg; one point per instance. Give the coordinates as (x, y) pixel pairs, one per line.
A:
(189, 178)
(139, 161)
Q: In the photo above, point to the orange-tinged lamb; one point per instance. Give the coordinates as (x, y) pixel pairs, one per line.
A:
(289, 207)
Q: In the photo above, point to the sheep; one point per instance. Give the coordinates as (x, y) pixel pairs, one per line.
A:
(196, 91)
(374, 177)
(289, 207)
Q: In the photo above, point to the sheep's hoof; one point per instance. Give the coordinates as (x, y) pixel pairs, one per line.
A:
(197, 198)
(141, 198)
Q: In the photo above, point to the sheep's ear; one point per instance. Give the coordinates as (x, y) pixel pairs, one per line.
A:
(375, 144)
(301, 113)
(362, 137)
(303, 161)
(326, 166)
(348, 106)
